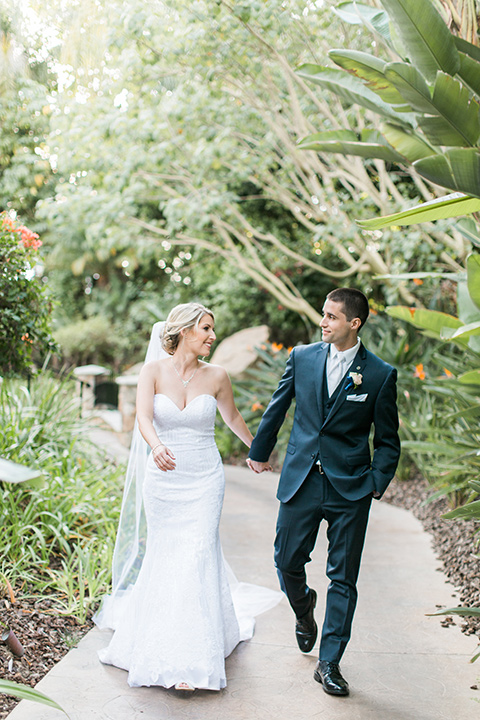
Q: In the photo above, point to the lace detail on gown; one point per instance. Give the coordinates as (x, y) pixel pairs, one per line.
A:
(178, 622)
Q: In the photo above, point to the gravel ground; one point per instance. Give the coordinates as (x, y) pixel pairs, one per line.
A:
(47, 636)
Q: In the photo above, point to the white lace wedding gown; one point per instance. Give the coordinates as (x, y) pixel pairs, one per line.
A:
(179, 622)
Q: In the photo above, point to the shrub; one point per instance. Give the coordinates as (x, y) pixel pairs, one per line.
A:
(24, 305)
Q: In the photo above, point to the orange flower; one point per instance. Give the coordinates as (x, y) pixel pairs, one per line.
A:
(419, 372)
(257, 406)
(289, 349)
(417, 281)
(412, 311)
(448, 373)
(29, 238)
(8, 223)
(276, 347)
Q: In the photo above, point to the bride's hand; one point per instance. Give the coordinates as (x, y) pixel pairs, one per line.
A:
(163, 458)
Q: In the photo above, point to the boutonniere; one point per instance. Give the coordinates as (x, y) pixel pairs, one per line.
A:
(354, 380)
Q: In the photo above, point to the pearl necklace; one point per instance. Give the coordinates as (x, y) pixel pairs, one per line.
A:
(184, 382)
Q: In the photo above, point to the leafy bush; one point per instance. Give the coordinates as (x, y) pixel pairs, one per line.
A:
(57, 539)
(24, 305)
(94, 340)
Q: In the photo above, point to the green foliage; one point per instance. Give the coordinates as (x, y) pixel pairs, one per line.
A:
(25, 173)
(429, 98)
(442, 424)
(57, 540)
(206, 110)
(94, 340)
(25, 692)
(25, 307)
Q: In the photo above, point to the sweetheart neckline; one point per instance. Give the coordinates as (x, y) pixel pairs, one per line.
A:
(189, 403)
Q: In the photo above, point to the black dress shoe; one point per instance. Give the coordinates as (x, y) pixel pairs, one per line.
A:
(306, 628)
(329, 675)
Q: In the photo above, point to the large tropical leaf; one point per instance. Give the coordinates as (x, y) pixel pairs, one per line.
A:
(350, 89)
(467, 48)
(469, 229)
(459, 111)
(466, 331)
(406, 143)
(470, 511)
(428, 41)
(346, 142)
(447, 206)
(472, 377)
(411, 85)
(473, 277)
(458, 169)
(455, 116)
(462, 611)
(356, 13)
(370, 69)
(25, 692)
(432, 321)
(470, 72)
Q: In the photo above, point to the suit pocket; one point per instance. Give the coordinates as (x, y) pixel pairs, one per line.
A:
(291, 448)
(355, 459)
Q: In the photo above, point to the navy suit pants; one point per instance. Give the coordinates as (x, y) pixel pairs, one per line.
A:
(297, 529)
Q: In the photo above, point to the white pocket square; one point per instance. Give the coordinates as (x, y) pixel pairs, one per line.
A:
(357, 398)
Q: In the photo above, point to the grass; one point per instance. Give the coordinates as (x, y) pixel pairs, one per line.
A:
(57, 536)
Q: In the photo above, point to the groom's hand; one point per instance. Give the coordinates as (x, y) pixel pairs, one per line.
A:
(258, 466)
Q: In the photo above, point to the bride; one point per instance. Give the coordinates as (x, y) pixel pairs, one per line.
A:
(176, 608)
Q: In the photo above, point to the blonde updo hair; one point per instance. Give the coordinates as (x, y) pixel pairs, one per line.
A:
(182, 317)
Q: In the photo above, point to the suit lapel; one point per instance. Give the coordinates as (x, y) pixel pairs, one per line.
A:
(358, 365)
(320, 369)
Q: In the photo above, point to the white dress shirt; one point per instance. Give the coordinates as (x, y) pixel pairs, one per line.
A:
(337, 365)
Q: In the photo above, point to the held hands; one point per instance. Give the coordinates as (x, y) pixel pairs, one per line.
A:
(259, 467)
(163, 458)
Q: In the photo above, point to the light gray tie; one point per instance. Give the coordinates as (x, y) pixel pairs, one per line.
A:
(336, 374)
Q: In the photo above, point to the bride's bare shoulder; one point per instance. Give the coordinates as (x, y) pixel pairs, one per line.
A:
(154, 367)
(217, 372)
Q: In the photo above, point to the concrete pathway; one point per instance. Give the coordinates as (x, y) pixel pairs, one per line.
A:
(401, 665)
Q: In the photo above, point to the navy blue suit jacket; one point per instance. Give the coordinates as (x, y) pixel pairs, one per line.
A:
(341, 439)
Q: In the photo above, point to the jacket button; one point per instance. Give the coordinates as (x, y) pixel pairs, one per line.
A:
(312, 456)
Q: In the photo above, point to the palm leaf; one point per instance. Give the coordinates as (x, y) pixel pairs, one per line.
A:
(427, 40)
(349, 88)
(458, 112)
(406, 143)
(447, 206)
(411, 85)
(458, 169)
(370, 69)
(346, 142)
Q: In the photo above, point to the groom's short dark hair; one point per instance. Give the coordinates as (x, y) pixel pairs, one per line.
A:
(355, 303)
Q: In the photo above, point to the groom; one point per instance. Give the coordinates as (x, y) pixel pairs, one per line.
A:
(341, 391)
